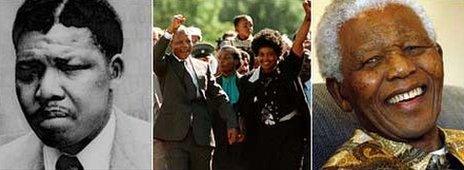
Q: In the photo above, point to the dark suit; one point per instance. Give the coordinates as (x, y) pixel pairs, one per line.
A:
(180, 118)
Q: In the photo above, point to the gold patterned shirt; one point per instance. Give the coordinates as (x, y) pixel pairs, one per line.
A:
(366, 150)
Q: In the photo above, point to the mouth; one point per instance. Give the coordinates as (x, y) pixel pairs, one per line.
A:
(407, 96)
(266, 63)
(183, 51)
(54, 112)
(55, 118)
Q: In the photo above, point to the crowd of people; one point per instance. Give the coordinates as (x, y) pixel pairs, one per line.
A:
(249, 90)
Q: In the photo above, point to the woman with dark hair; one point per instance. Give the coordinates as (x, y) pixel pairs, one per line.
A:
(269, 103)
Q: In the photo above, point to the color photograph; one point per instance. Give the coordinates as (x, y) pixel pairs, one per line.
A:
(387, 84)
(233, 82)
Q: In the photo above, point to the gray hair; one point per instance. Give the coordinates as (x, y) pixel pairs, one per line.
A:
(340, 11)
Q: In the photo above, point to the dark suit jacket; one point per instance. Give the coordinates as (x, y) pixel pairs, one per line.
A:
(174, 117)
(131, 147)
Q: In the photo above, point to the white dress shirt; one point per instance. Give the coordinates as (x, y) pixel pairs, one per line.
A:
(190, 70)
(96, 155)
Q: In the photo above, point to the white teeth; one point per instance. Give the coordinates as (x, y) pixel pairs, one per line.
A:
(405, 96)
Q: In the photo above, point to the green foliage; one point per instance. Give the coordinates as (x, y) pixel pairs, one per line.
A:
(214, 17)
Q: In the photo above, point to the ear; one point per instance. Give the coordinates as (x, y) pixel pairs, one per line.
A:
(116, 69)
(337, 93)
(440, 50)
(170, 42)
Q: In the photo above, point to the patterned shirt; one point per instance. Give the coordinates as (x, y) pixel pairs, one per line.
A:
(366, 150)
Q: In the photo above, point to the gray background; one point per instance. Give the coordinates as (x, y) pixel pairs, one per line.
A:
(133, 94)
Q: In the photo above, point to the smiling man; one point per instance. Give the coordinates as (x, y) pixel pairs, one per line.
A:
(68, 61)
(381, 60)
(183, 128)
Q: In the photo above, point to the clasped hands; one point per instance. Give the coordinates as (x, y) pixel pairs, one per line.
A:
(234, 136)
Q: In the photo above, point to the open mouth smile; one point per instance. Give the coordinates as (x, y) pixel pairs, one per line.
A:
(407, 96)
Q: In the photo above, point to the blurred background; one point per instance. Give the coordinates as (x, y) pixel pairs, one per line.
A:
(447, 18)
(215, 17)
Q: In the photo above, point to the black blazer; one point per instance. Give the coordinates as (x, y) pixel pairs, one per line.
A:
(177, 113)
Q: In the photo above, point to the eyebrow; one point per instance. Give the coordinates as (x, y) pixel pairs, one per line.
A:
(360, 51)
(60, 60)
(31, 55)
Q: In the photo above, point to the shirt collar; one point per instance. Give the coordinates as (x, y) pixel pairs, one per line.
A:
(255, 75)
(180, 60)
(399, 148)
(441, 151)
(96, 155)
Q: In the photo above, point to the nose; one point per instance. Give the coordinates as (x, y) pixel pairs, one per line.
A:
(400, 66)
(185, 45)
(49, 87)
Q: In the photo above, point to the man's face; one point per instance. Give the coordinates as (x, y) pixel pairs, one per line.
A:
(181, 44)
(393, 73)
(244, 28)
(63, 85)
(267, 58)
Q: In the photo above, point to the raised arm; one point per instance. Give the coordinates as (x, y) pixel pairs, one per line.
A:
(159, 50)
(297, 47)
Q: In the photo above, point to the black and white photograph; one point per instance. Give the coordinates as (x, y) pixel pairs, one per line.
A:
(76, 84)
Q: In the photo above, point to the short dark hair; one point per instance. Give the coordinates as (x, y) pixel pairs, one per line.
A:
(238, 18)
(267, 38)
(96, 15)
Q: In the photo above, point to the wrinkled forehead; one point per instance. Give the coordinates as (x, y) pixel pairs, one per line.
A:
(61, 43)
(59, 34)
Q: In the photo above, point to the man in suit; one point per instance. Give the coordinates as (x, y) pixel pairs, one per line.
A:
(68, 61)
(183, 136)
